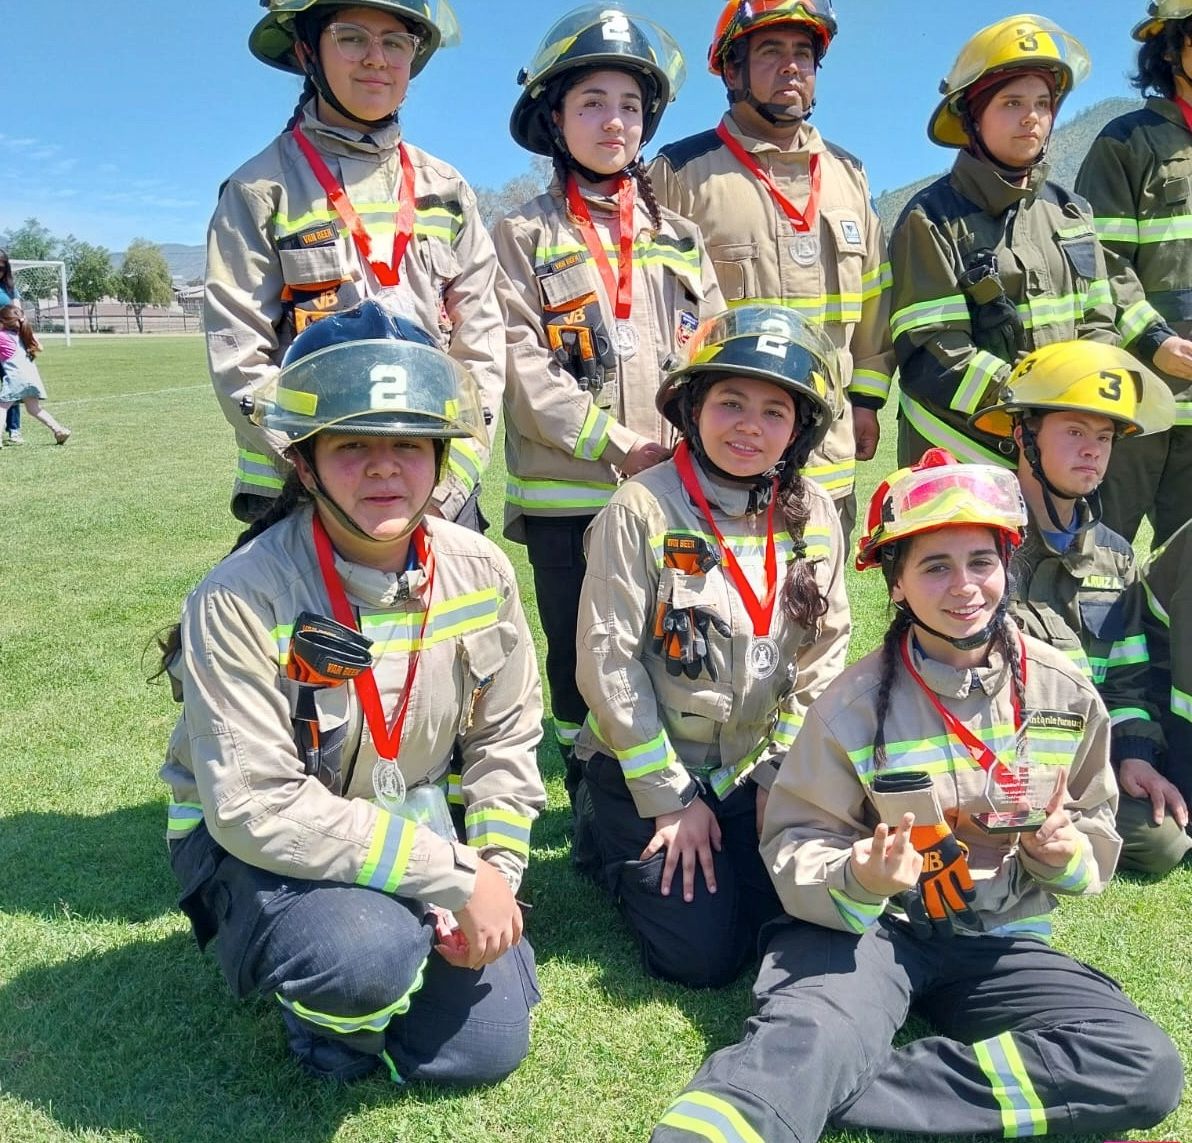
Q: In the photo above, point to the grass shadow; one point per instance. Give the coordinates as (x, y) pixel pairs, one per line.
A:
(52, 863)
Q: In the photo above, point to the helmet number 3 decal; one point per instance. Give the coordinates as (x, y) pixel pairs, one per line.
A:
(1027, 41)
(388, 386)
(1112, 389)
(616, 26)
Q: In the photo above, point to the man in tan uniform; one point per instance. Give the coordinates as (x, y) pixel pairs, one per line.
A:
(787, 217)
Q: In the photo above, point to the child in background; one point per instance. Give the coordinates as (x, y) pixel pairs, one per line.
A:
(21, 380)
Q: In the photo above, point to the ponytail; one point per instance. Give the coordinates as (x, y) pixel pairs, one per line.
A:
(309, 91)
(645, 186)
(802, 598)
(898, 628)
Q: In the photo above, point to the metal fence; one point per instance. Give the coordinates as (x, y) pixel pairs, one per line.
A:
(117, 319)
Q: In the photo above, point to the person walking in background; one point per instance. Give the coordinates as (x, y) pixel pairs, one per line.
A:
(713, 611)
(1068, 407)
(1136, 177)
(8, 294)
(604, 290)
(311, 770)
(992, 260)
(20, 380)
(338, 208)
(787, 216)
(904, 885)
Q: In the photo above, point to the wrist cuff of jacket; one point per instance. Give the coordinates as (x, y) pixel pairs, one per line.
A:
(863, 401)
(1148, 343)
(1134, 746)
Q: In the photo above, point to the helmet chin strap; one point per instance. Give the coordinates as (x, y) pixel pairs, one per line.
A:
(776, 114)
(313, 70)
(592, 176)
(969, 642)
(985, 153)
(1030, 450)
(320, 493)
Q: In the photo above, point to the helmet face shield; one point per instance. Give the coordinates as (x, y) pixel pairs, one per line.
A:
(940, 493)
(1017, 42)
(770, 343)
(1082, 377)
(597, 36)
(272, 40)
(742, 17)
(381, 388)
(1160, 12)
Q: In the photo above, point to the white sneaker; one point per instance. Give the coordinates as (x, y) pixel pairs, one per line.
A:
(16, 438)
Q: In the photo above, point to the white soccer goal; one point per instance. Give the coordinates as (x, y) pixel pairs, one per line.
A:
(39, 282)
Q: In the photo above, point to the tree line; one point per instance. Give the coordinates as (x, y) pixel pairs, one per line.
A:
(142, 279)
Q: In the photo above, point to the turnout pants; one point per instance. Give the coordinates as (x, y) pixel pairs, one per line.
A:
(1149, 476)
(1030, 1042)
(355, 973)
(705, 942)
(555, 547)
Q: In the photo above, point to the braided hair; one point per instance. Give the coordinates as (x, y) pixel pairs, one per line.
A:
(1005, 638)
(562, 161)
(802, 598)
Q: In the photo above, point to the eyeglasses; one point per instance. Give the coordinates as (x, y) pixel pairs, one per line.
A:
(354, 44)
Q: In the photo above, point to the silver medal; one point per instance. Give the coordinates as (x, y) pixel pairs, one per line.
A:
(762, 657)
(388, 783)
(625, 337)
(805, 249)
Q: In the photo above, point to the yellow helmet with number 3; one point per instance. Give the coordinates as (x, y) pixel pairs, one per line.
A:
(1024, 41)
(1082, 377)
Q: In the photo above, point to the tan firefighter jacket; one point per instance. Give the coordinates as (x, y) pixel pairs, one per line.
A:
(751, 243)
(1138, 177)
(664, 729)
(233, 762)
(564, 437)
(278, 256)
(1033, 246)
(822, 801)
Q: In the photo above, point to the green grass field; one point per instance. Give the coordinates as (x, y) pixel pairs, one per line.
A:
(112, 1027)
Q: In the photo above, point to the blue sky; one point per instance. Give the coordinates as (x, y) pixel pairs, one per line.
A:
(124, 116)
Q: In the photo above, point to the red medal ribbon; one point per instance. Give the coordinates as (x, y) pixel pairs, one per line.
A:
(387, 274)
(802, 220)
(1185, 110)
(620, 292)
(386, 741)
(978, 750)
(761, 611)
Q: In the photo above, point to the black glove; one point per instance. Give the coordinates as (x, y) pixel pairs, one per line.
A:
(684, 641)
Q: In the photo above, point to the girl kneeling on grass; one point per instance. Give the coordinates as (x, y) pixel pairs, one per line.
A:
(20, 380)
(712, 613)
(955, 715)
(309, 825)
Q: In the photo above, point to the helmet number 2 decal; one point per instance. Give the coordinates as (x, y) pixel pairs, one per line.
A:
(773, 344)
(389, 384)
(616, 26)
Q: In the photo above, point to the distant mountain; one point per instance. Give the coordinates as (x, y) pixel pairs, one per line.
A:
(1069, 145)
